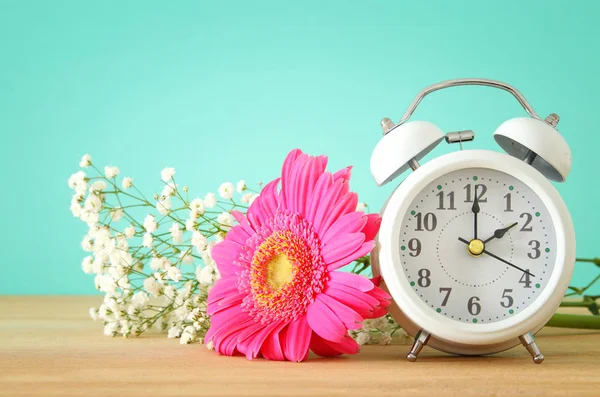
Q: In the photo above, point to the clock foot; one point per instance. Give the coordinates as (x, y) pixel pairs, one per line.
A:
(529, 343)
(420, 341)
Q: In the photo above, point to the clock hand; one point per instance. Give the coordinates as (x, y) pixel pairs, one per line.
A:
(475, 210)
(484, 251)
(499, 233)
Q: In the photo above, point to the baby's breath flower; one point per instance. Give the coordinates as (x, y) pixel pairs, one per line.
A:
(226, 190)
(111, 172)
(210, 200)
(130, 231)
(86, 264)
(196, 208)
(240, 186)
(164, 205)
(117, 214)
(150, 224)
(226, 220)
(167, 174)
(246, 197)
(361, 207)
(86, 161)
(174, 273)
(147, 240)
(127, 183)
(176, 233)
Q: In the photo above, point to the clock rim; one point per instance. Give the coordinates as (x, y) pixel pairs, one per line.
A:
(446, 330)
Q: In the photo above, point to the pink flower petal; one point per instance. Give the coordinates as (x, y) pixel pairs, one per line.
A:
(252, 345)
(324, 322)
(346, 224)
(345, 205)
(356, 281)
(224, 287)
(288, 176)
(357, 296)
(344, 173)
(322, 347)
(360, 252)
(363, 307)
(298, 340)
(223, 320)
(347, 346)
(271, 348)
(321, 187)
(341, 248)
(350, 318)
(225, 254)
(268, 200)
(326, 203)
(372, 227)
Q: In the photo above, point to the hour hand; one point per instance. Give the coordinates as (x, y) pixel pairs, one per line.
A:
(499, 233)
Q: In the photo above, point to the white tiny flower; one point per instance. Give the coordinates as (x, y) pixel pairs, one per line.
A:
(97, 187)
(187, 336)
(361, 207)
(210, 200)
(196, 207)
(75, 208)
(127, 183)
(164, 205)
(152, 286)
(210, 345)
(140, 299)
(174, 332)
(246, 197)
(110, 329)
(169, 190)
(205, 275)
(87, 243)
(78, 182)
(86, 161)
(111, 172)
(147, 240)
(254, 197)
(226, 220)
(174, 273)
(93, 313)
(150, 224)
(93, 204)
(176, 233)
(240, 186)
(86, 265)
(186, 258)
(198, 240)
(190, 225)
(385, 338)
(130, 231)
(226, 190)
(167, 174)
(117, 214)
(362, 338)
(155, 263)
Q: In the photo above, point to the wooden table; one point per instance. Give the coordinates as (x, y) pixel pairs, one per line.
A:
(49, 347)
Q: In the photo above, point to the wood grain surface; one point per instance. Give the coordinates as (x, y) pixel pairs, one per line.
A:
(49, 347)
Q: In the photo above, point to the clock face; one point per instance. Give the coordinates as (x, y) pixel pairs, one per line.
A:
(477, 245)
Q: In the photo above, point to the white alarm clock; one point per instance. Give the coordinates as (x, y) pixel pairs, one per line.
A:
(476, 247)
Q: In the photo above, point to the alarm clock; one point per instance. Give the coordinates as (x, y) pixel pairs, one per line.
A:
(476, 247)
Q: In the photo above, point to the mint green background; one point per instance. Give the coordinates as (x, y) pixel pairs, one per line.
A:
(222, 91)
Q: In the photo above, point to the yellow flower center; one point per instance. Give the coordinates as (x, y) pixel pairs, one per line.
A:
(279, 271)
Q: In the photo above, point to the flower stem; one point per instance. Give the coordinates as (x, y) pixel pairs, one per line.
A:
(574, 321)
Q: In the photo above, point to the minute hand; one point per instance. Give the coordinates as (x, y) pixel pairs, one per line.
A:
(498, 258)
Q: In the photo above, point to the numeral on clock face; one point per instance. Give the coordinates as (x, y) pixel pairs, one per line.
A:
(480, 279)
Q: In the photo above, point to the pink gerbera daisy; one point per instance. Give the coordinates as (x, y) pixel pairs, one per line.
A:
(280, 293)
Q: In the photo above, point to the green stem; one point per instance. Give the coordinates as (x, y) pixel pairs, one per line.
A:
(574, 321)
